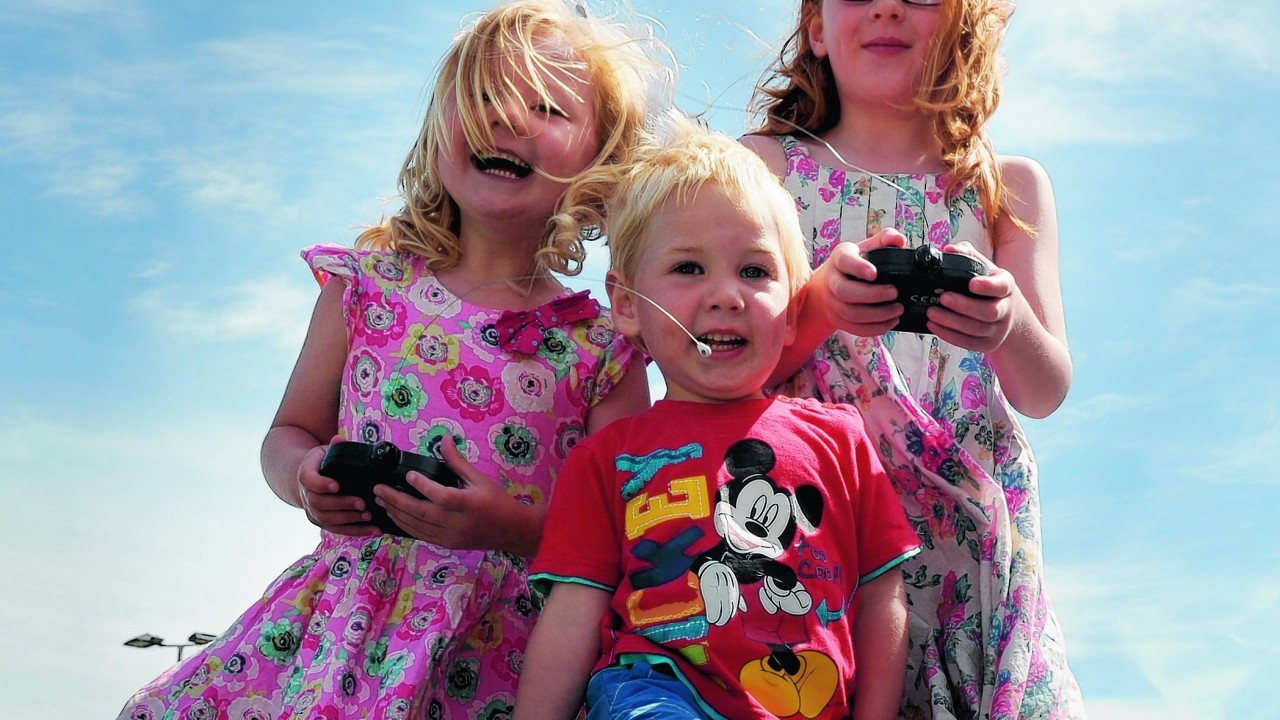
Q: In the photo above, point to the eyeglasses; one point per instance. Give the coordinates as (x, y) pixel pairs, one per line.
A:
(918, 3)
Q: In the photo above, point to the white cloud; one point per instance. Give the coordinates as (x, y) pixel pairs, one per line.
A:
(1088, 72)
(37, 132)
(164, 526)
(223, 179)
(1179, 626)
(1126, 42)
(285, 65)
(273, 309)
(105, 184)
(1129, 710)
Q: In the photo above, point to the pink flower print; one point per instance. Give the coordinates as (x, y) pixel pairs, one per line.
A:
(509, 667)
(387, 270)
(568, 434)
(250, 708)
(379, 320)
(827, 194)
(906, 479)
(474, 393)
(934, 447)
(366, 368)
(515, 446)
(530, 386)
(952, 597)
(592, 335)
(938, 512)
(933, 196)
(940, 232)
(432, 299)
(820, 255)
(972, 393)
(837, 180)
(1015, 497)
(830, 230)
(806, 168)
(430, 349)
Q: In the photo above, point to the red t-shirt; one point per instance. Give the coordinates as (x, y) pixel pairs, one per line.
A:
(732, 538)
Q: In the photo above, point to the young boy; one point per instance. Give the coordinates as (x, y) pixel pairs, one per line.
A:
(722, 554)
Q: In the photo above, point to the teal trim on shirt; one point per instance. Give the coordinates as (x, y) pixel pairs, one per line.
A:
(890, 565)
(542, 582)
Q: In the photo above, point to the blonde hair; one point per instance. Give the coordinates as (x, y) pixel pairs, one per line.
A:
(675, 165)
(960, 89)
(626, 67)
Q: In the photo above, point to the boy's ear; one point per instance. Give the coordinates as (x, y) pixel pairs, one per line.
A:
(793, 318)
(623, 302)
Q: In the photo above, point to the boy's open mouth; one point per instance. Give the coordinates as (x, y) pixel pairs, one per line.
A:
(718, 341)
(503, 165)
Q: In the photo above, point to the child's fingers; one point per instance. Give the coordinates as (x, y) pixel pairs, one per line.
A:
(888, 237)
(966, 248)
(334, 502)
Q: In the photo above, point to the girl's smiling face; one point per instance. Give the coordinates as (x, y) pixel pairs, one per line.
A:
(717, 267)
(877, 49)
(539, 139)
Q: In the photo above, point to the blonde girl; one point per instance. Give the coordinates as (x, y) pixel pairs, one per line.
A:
(445, 333)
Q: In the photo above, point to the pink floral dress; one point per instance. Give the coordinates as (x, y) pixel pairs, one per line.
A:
(984, 642)
(391, 627)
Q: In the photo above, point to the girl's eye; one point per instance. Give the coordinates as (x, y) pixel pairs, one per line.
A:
(546, 109)
(755, 272)
(687, 268)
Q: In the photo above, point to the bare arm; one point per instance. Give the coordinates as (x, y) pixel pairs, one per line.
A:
(839, 294)
(565, 645)
(628, 397)
(880, 647)
(1023, 331)
(307, 421)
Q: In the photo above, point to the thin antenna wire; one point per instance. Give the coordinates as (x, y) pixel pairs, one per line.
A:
(846, 163)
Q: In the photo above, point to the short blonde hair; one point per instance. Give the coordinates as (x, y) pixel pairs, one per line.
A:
(676, 164)
(627, 67)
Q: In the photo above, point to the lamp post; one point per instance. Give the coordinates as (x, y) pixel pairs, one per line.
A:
(147, 640)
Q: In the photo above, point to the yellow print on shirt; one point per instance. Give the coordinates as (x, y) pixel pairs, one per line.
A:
(684, 498)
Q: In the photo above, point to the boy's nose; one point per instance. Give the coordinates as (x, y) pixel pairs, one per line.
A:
(725, 296)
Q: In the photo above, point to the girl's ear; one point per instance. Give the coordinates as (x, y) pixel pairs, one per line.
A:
(816, 40)
(623, 302)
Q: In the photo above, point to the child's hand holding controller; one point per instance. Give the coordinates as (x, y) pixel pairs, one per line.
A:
(851, 302)
(983, 319)
(476, 515)
(324, 505)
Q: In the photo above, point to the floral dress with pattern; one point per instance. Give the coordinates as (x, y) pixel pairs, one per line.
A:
(984, 642)
(388, 626)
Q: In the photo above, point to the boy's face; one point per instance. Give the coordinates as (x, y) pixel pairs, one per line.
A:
(717, 268)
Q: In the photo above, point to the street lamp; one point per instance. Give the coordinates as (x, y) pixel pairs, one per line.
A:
(147, 640)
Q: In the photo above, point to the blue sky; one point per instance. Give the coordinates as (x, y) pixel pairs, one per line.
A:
(162, 163)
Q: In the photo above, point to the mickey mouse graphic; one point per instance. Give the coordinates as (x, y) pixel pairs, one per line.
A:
(757, 521)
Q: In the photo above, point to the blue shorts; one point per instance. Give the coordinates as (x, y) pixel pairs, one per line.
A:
(632, 692)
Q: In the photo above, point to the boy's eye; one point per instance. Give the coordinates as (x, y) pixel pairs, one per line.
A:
(687, 268)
